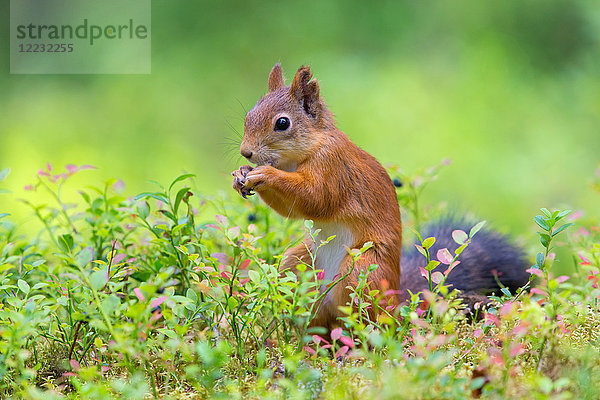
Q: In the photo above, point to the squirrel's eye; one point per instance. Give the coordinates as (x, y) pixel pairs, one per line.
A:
(282, 124)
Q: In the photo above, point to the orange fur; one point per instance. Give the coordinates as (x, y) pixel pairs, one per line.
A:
(313, 171)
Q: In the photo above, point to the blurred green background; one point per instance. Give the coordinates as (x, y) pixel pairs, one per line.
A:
(508, 90)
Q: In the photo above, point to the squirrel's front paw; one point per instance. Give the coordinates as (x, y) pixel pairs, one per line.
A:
(258, 177)
(239, 180)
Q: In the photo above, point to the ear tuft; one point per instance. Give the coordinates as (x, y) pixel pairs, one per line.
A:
(275, 78)
(306, 91)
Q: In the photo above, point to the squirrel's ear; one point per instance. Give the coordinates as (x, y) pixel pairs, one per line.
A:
(306, 91)
(275, 78)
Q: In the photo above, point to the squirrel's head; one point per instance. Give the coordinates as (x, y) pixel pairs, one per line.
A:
(287, 124)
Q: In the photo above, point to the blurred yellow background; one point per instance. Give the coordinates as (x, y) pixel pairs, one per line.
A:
(508, 90)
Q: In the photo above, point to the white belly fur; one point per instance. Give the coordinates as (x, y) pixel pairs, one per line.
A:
(330, 255)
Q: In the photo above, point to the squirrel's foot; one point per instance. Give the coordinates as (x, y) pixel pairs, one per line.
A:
(239, 180)
(258, 177)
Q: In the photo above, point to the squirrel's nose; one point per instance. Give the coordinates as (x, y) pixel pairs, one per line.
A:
(246, 153)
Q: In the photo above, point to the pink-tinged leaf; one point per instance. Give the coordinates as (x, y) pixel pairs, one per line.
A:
(584, 259)
(437, 277)
(459, 236)
(118, 186)
(424, 272)
(244, 264)
(535, 271)
(75, 365)
(309, 350)
(222, 258)
(516, 349)
(213, 226)
(491, 318)
(327, 346)
(41, 172)
(336, 333)
(477, 333)
(318, 339)
(49, 166)
(221, 219)
(86, 166)
(420, 312)
(538, 291)
(444, 256)
(562, 278)
(244, 281)
(69, 374)
(118, 258)
(342, 351)
(104, 368)
(451, 267)
(505, 309)
(156, 315)
(576, 215)
(519, 330)
(139, 294)
(347, 341)
(321, 274)
(158, 301)
(446, 161)
(71, 168)
(29, 188)
(496, 356)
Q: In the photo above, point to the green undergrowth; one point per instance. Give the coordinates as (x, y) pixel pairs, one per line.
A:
(143, 297)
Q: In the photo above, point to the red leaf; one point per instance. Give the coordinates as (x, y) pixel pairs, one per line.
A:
(444, 256)
(538, 291)
(336, 333)
(535, 271)
(342, 351)
(157, 302)
(310, 350)
(74, 364)
(139, 294)
(562, 279)
(244, 264)
(347, 341)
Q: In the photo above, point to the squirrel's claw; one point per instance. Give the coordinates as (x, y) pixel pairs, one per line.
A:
(239, 181)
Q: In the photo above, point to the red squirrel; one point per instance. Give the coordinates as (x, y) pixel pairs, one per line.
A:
(306, 168)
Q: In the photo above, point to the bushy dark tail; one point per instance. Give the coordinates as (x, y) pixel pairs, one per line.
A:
(489, 258)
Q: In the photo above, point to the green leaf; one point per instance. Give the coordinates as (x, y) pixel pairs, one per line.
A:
(24, 286)
(540, 260)
(546, 212)
(4, 173)
(157, 196)
(562, 214)
(65, 242)
(180, 178)
(254, 276)
(562, 228)
(476, 228)
(541, 222)
(84, 257)
(432, 264)
(459, 236)
(98, 279)
(2, 215)
(191, 294)
(143, 209)
(427, 243)
(179, 197)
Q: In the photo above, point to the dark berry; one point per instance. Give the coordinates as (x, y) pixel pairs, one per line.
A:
(160, 290)
(156, 309)
(397, 182)
(251, 217)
